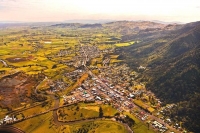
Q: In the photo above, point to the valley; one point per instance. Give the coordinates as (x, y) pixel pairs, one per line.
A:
(121, 76)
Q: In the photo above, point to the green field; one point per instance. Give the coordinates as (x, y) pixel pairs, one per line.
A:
(124, 44)
(103, 126)
(78, 112)
(108, 110)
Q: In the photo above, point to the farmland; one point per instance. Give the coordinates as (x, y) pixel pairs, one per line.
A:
(63, 78)
(51, 58)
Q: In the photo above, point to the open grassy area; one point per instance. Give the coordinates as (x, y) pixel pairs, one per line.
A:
(32, 124)
(103, 126)
(105, 46)
(76, 84)
(44, 85)
(49, 127)
(143, 105)
(77, 112)
(97, 126)
(114, 56)
(140, 104)
(115, 61)
(108, 110)
(139, 127)
(124, 44)
(33, 111)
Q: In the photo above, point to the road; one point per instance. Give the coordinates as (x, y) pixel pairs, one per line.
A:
(5, 64)
(10, 129)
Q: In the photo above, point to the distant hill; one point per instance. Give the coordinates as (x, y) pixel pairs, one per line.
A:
(87, 21)
(91, 26)
(65, 25)
(173, 61)
(123, 27)
(77, 25)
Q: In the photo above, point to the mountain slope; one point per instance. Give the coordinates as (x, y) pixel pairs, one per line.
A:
(173, 73)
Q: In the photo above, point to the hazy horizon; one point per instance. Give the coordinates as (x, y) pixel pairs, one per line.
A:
(65, 10)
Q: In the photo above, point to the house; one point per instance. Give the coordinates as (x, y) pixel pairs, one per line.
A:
(131, 95)
(87, 95)
(98, 98)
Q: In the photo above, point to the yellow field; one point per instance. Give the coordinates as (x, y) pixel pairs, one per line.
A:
(108, 110)
(77, 112)
(44, 85)
(94, 108)
(124, 44)
(114, 56)
(78, 83)
(105, 46)
(143, 105)
(99, 126)
(32, 124)
(115, 61)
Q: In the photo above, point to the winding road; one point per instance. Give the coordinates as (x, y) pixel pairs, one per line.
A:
(10, 129)
(5, 64)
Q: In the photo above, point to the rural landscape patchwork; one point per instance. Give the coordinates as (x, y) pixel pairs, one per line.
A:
(121, 76)
(104, 66)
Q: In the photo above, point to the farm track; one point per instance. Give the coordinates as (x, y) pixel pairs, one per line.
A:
(5, 64)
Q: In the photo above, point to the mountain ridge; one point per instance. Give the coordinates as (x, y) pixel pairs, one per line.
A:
(173, 70)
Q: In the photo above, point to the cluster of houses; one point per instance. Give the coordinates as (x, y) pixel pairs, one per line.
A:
(74, 74)
(142, 115)
(60, 84)
(162, 128)
(64, 52)
(85, 54)
(7, 120)
(94, 89)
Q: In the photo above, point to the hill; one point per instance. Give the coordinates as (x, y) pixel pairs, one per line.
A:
(91, 26)
(172, 59)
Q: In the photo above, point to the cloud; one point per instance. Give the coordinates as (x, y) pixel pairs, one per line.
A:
(53, 10)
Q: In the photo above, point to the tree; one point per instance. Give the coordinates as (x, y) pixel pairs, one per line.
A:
(77, 108)
(100, 112)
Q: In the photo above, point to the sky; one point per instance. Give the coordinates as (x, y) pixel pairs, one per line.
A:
(62, 10)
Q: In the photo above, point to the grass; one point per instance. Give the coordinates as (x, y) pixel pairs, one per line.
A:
(108, 110)
(96, 72)
(140, 104)
(43, 85)
(46, 126)
(84, 111)
(143, 129)
(33, 111)
(124, 44)
(114, 56)
(32, 124)
(105, 46)
(103, 126)
(77, 112)
(115, 61)
(144, 106)
(78, 83)
(139, 126)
